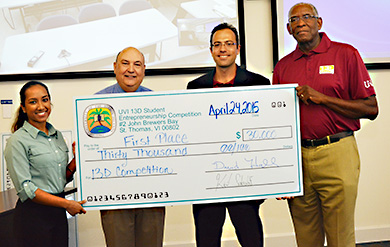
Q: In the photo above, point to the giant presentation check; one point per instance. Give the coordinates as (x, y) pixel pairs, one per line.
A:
(187, 147)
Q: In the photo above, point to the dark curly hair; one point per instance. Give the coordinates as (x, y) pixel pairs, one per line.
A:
(222, 26)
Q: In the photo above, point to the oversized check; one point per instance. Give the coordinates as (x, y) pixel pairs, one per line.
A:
(184, 147)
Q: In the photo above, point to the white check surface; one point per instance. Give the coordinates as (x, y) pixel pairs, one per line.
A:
(193, 146)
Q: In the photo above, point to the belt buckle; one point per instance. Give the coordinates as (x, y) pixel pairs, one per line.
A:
(328, 139)
(312, 142)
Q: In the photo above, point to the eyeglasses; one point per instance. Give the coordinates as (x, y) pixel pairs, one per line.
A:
(228, 44)
(304, 18)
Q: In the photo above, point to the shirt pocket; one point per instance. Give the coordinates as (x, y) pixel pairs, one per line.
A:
(40, 158)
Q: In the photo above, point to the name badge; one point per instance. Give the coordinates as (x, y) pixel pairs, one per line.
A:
(327, 69)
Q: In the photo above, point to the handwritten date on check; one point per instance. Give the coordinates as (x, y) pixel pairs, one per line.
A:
(187, 147)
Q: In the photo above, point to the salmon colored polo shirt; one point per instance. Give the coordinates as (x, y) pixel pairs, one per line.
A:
(334, 69)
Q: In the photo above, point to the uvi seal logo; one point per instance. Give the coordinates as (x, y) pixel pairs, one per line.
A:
(99, 120)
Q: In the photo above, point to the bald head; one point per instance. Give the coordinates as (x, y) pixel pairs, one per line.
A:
(129, 48)
(303, 4)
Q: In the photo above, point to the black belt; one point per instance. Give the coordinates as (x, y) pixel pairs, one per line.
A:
(62, 194)
(325, 140)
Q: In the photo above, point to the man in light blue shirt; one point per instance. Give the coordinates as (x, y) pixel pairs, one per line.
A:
(129, 69)
(138, 227)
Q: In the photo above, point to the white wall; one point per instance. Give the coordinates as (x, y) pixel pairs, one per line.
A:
(373, 205)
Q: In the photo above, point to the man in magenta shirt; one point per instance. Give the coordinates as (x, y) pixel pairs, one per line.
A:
(335, 90)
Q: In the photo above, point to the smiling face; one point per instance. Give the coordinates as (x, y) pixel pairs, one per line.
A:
(37, 106)
(129, 69)
(225, 55)
(305, 31)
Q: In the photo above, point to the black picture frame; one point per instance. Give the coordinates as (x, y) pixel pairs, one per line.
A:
(148, 72)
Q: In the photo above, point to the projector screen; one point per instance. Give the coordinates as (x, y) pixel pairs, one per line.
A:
(361, 23)
(57, 37)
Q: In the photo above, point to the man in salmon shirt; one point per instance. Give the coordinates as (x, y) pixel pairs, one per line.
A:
(335, 90)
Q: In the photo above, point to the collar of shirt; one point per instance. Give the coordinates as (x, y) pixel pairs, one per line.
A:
(115, 88)
(118, 89)
(227, 84)
(321, 48)
(34, 131)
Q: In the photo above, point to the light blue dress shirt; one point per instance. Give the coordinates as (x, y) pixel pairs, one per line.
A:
(36, 160)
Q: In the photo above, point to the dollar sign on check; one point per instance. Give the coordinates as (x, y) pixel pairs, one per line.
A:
(238, 134)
